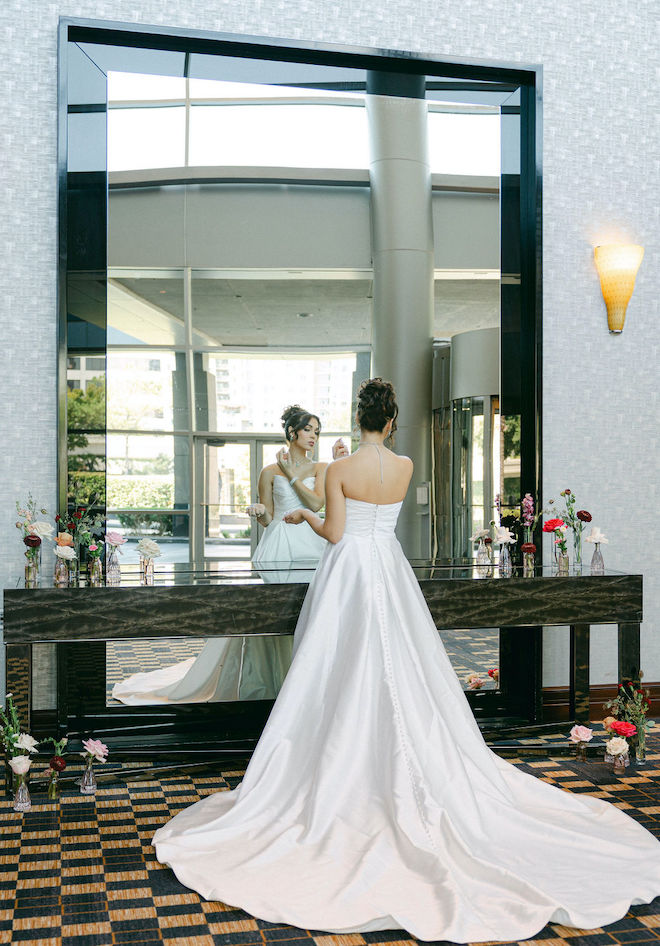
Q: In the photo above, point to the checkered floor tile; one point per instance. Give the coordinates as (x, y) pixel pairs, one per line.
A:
(81, 871)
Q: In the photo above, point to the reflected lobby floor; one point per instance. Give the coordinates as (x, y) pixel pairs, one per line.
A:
(470, 651)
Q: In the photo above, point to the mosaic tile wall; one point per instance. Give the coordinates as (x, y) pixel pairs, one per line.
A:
(601, 182)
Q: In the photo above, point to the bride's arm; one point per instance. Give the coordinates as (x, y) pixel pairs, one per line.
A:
(332, 527)
(263, 510)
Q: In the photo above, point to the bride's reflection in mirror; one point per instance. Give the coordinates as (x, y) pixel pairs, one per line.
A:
(253, 668)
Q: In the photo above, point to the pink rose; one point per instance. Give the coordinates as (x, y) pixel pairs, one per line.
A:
(114, 538)
(581, 734)
(96, 748)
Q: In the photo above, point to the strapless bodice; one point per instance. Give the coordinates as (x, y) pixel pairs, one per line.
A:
(370, 520)
(285, 498)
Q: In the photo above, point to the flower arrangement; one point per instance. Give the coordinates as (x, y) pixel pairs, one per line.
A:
(474, 681)
(80, 526)
(479, 535)
(34, 532)
(504, 536)
(94, 550)
(576, 521)
(629, 709)
(20, 766)
(57, 764)
(580, 736)
(95, 751)
(14, 740)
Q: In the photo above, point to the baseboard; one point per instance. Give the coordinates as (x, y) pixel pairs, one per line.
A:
(555, 701)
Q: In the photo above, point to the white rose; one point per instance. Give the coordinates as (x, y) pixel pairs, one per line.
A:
(617, 746)
(27, 742)
(504, 536)
(43, 529)
(148, 548)
(66, 552)
(20, 764)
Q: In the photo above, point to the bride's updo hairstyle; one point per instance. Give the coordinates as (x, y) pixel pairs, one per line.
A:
(294, 419)
(376, 405)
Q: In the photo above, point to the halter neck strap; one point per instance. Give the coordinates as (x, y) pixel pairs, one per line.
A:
(380, 456)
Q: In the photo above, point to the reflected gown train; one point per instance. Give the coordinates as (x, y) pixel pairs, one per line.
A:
(372, 802)
(239, 668)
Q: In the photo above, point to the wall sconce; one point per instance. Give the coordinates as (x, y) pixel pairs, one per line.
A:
(617, 265)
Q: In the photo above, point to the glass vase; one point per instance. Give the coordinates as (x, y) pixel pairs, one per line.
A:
(88, 780)
(577, 551)
(581, 751)
(95, 572)
(529, 564)
(619, 764)
(54, 785)
(112, 568)
(22, 800)
(505, 566)
(147, 570)
(597, 563)
(11, 780)
(31, 570)
(74, 571)
(483, 560)
(61, 573)
(562, 563)
(640, 745)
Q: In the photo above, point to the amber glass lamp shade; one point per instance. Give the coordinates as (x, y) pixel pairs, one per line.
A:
(617, 265)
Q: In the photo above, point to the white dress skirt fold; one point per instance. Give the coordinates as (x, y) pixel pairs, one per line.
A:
(372, 802)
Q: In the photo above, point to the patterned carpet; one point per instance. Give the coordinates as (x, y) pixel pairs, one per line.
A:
(82, 872)
(469, 651)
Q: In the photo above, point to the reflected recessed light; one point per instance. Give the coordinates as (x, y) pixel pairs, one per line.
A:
(305, 315)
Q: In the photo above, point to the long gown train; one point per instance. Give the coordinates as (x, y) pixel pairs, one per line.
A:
(239, 668)
(372, 802)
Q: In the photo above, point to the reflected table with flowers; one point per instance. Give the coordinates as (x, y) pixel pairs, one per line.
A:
(214, 600)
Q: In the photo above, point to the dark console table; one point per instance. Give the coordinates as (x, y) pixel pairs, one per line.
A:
(186, 601)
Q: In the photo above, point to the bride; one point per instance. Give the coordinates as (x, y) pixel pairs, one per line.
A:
(253, 668)
(371, 801)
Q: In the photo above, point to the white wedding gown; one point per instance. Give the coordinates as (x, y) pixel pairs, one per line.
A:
(239, 668)
(371, 801)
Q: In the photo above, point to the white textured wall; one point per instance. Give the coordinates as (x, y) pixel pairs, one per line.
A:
(601, 182)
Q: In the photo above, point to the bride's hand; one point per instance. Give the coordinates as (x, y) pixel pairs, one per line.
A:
(339, 449)
(295, 517)
(256, 510)
(285, 462)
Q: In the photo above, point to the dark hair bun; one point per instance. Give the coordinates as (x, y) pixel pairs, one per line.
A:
(294, 419)
(376, 404)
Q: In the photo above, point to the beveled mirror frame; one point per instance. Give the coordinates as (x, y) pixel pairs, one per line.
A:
(83, 248)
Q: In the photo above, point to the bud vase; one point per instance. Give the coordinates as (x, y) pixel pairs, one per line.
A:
(619, 764)
(22, 800)
(54, 785)
(147, 570)
(74, 572)
(577, 551)
(505, 566)
(61, 573)
(31, 571)
(483, 560)
(562, 563)
(640, 745)
(88, 780)
(95, 572)
(11, 780)
(112, 568)
(597, 563)
(581, 751)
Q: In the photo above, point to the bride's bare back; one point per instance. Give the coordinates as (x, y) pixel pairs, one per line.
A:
(373, 474)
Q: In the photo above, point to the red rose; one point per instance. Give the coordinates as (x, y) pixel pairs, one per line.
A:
(583, 515)
(622, 728)
(57, 763)
(32, 541)
(552, 524)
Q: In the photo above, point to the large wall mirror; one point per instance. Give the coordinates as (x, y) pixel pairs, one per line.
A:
(231, 220)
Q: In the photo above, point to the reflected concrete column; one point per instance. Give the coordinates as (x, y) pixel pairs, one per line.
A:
(402, 249)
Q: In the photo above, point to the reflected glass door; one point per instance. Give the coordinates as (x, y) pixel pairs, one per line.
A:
(226, 471)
